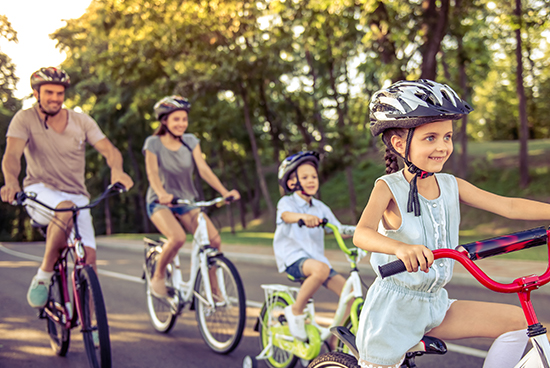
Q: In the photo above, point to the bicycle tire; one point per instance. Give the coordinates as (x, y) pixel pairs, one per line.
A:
(160, 312)
(222, 329)
(280, 358)
(334, 359)
(93, 318)
(59, 334)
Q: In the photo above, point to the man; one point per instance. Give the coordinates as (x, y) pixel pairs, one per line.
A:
(53, 140)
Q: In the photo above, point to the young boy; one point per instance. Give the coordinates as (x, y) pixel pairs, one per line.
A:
(299, 251)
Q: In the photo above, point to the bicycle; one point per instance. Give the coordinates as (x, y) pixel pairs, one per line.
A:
(87, 298)
(221, 318)
(466, 254)
(279, 348)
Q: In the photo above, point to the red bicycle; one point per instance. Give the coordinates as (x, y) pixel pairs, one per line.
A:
(466, 254)
(87, 298)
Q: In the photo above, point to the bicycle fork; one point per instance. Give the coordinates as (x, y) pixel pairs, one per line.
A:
(536, 331)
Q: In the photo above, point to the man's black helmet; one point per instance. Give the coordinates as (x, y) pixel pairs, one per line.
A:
(50, 75)
(408, 104)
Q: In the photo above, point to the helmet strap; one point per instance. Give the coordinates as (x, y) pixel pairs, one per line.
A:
(47, 114)
(178, 137)
(413, 204)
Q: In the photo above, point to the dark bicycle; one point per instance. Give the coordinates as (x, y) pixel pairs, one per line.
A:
(83, 307)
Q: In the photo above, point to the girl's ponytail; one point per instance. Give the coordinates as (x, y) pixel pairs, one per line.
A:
(392, 164)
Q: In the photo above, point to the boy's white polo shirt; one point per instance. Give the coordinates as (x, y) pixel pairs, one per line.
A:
(291, 242)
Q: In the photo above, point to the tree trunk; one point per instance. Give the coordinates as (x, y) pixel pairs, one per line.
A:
(255, 154)
(316, 113)
(242, 205)
(434, 27)
(463, 161)
(274, 126)
(343, 133)
(523, 128)
(140, 187)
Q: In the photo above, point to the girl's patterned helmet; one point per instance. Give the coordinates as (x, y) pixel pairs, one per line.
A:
(50, 75)
(170, 104)
(291, 163)
(408, 104)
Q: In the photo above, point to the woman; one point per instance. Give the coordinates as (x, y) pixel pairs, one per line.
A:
(170, 157)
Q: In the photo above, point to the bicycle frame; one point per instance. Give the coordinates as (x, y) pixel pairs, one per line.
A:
(521, 286)
(199, 260)
(465, 254)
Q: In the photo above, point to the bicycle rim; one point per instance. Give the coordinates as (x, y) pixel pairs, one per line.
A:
(222, 327)
(160, 312)
(95, 328)
(59, 334)
(269, 317)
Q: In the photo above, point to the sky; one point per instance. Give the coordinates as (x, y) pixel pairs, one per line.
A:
(34, 21)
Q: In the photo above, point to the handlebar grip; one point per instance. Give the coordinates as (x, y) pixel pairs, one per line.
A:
(392, 268)
(230, 199)
(323, 223)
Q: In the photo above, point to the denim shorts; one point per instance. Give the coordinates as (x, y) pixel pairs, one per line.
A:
(176, 210)
(295, 270)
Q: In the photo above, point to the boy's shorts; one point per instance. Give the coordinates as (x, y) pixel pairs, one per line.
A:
(295, 270)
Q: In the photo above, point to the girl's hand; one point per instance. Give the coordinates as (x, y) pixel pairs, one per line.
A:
(414, 256)
(166, 199)
(311, 220)
(233, 193)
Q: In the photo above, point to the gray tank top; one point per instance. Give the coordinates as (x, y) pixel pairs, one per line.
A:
(436, 227)
(175, 167)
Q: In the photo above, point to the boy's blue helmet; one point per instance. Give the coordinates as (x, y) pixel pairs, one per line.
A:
(291, 163)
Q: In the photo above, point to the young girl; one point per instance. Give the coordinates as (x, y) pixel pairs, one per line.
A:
(414, 211)
(170, 156)
(300, 251)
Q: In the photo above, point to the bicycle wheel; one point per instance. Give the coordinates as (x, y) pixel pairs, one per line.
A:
(221, 327)
(269, 317)
(334, 359)
(95, 328)
(59, 334)
(160, 312)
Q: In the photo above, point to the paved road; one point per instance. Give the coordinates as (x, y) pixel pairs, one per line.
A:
(24, 342)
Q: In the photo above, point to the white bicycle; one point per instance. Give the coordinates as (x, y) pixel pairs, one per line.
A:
(221, 318)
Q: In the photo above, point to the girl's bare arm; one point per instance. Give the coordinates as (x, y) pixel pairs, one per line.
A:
(367, 237)
(512, 208)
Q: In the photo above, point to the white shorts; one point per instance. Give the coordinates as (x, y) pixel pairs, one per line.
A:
(53, 198)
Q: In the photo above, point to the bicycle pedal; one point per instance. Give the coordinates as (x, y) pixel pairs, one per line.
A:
(282, 319)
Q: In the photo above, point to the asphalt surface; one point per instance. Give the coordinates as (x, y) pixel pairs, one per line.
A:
(24, 342)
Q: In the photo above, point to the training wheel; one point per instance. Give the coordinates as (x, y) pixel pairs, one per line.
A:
(250, 362)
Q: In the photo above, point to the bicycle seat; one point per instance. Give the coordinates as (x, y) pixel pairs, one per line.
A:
(428, 345)
(293, 279)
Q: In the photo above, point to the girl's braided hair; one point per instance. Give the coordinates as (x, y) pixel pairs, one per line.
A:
(390, 157)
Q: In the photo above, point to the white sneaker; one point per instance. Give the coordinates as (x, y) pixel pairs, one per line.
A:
(296, 324)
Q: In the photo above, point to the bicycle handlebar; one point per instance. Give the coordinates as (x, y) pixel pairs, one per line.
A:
(336, 232)
(115, 188)
(202, 204)
(466, 257)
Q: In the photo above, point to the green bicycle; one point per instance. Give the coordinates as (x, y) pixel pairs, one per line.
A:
(279, 348)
